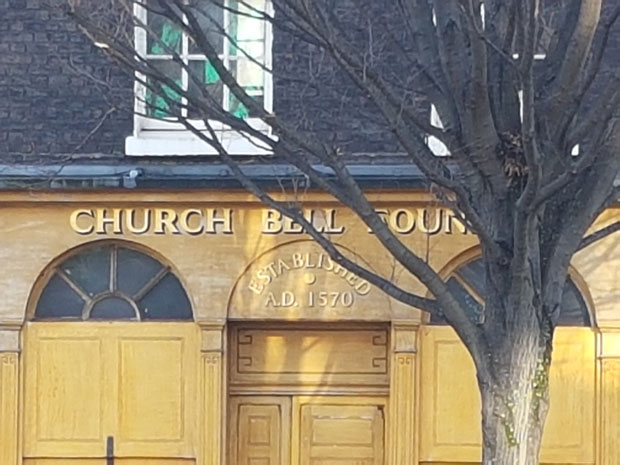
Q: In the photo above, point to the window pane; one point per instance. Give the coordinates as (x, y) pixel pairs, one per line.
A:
(240, 110)
(473, 274)
(247, 23)
(134, 270)
(250, 76)
(253, 49)
(211, 19)
(472, 307)
(166, 301)
(205, 72)
(163, 36)
(58, 300)
(90, 270)
(573, 311)
(161, 98)
(112, 308)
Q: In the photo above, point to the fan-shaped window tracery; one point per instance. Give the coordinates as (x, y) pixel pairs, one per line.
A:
(467, 283)
(112, 282)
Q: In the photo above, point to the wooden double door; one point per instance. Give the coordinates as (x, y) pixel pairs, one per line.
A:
(306, 430)
(99, 393)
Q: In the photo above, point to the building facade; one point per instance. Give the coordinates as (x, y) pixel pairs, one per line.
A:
(153, 313)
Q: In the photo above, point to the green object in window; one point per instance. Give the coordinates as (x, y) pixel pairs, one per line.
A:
(170, 37)
(160, 107)
(211, 76)
(241, 111)
(238, 109)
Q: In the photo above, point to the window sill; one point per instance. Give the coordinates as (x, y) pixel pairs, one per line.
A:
(183, 143)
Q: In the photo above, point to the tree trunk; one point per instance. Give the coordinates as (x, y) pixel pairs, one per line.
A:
(515, 404)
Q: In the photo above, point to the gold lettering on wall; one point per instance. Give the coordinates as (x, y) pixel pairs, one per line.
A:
(139, 221)
(324, 220)
(82, 228)
(430, 221)
(165, 221)
(264, 276)
(105, 217)
(216, 217)
(197, 221)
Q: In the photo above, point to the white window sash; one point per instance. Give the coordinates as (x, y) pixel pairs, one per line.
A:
(149, 132)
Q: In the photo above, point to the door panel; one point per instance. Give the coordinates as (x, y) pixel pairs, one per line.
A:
(70, 461)
(450, 400)
(312, 431)
(303, 358)
(156, 378)
(259, 430)
(100, 461)
(133, 381)
(65, 392)
(338, 431)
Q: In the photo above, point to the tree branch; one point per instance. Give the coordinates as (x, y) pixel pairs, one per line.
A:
(575, 54)
(598, 235)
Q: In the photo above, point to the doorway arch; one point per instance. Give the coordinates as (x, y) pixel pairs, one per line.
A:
(111, 360)
(465, 277)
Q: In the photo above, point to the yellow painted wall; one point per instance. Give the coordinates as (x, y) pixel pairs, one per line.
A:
(209, 265)
(38, 230)
(221, 273)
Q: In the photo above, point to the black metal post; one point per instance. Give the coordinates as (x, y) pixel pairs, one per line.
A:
(109, 451)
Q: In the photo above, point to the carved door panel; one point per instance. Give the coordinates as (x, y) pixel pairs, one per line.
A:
(259, 430)
(338, 431)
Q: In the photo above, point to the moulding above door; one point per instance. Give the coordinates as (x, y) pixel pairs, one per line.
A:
(9, 337)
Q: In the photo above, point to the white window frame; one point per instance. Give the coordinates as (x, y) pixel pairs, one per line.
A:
(438, 148)
(158, 137)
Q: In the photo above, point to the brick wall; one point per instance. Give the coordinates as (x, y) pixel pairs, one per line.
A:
(60, 95)
(47, 106)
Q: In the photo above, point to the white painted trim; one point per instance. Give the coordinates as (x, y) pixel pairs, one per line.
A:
(169, 143)
(436, 146)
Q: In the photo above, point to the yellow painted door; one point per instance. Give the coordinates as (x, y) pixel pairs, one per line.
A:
(450, 401)
(154, 388)
(67, 403)
(259, 430)
(338, 431)
(102, 461)
(135, 382)
(306, 430)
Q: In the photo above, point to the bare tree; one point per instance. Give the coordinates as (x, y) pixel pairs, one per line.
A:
(533, 144)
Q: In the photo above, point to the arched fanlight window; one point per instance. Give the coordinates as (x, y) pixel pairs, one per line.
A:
(112, 282)
(467, 283)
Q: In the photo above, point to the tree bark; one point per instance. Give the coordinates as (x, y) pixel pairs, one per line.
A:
(515, 402)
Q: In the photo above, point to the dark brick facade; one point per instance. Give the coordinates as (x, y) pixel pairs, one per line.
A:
(50, 103)
(46, 105)
(59, 95)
